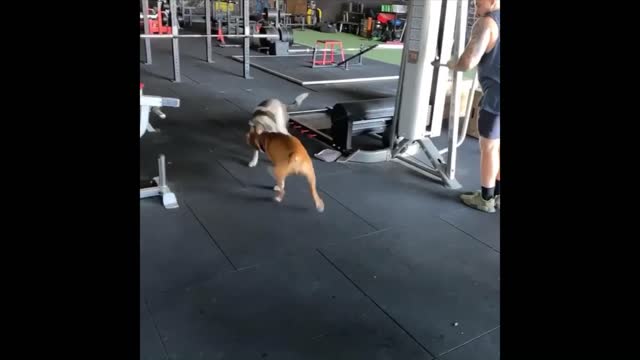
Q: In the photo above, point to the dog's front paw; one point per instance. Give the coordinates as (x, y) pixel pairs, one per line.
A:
(276, 188)
(253, 164)
(278, 198)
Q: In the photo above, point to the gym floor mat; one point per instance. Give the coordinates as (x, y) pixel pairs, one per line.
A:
(296, 308)
(297, 69)
(482, 226)
(450, 283)
(252, 228)
(486, 347)
(204, 134)
(167, 261)
(150, 345)
(390, 194)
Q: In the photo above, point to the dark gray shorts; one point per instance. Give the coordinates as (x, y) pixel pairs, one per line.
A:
(489, 125)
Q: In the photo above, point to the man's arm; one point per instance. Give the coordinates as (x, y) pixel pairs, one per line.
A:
(477, 46)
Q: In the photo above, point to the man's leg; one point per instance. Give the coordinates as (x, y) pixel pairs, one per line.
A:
(489, 129)
(489, 165)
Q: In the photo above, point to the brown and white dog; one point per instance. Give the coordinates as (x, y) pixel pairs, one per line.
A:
(272, 115)
(289, 157)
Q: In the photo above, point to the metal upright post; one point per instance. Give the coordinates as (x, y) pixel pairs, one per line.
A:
(419, 51)
(237, 27)
(207, 12)
(162, 172)
(228, 18)
(441, 75)
(175, 48)
(245, 19)
(412, 114)
(147, 42)
(454, 109)
(215, 14)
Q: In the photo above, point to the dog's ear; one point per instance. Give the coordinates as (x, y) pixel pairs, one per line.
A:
(256, 140)
(252, 139)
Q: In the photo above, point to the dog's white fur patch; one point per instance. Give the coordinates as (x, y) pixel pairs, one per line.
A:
(262, 123)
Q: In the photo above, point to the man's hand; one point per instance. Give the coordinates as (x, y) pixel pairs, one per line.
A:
(477, 46)
(452, 64)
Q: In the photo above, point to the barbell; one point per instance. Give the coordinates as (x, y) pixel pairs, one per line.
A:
(161, 36)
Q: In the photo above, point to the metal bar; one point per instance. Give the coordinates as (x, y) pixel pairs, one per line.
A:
(229, 18)
(147, 42)
(168, 36)
(236, 23)
(454, 111)
(162, 181)
(358, 54)
(175, 46)
(144, 118)
(246, 69)
(367, 156)
(313, 61)
(467, 112)
(438, 163)
(150, 192)
(182, 9)
(207, 12)
(378, 47)
(441, 77)
(419, 167)
(275, 56)
(467, 117)
(345, 81)
(159, 101)
(359, 58)
(273, 72)
(215, 14)
(313, 111)
(319, 82)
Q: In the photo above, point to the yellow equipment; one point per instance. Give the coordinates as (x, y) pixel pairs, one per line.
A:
(314, 13)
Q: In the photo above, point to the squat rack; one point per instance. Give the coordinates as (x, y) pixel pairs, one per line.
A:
(175, 36)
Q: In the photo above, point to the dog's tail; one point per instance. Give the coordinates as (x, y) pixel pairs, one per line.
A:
(298, 101)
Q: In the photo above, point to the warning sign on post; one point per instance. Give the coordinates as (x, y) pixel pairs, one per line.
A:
(412, 57)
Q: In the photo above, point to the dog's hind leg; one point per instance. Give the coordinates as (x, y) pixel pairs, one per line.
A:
(311, 178)
(277, 186)
(254, 160)
(280, 174)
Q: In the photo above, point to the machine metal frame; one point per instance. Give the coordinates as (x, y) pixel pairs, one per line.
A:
(418, 117)
(417, 73)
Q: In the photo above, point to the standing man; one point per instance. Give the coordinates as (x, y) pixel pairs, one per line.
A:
(483, 51)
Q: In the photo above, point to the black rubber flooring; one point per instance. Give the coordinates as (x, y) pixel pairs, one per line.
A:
(297, 68)
(395, 268)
